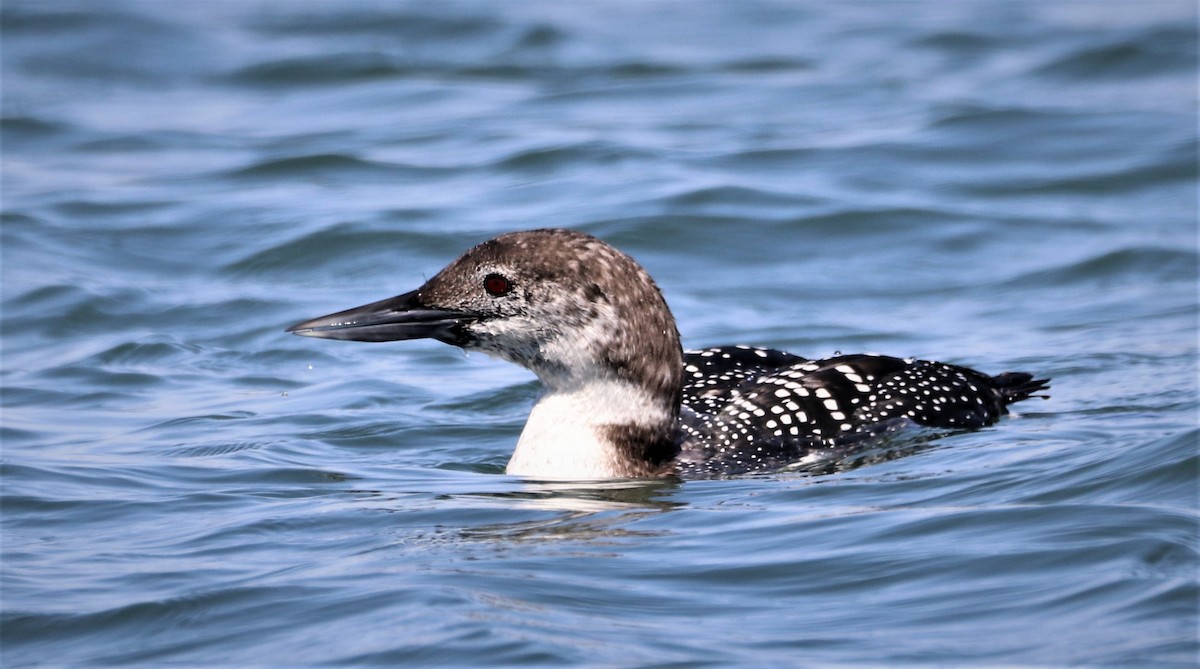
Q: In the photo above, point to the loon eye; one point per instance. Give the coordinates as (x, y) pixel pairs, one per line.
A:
(497, 285)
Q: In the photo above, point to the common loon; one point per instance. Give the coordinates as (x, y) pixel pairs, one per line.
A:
(622, 399)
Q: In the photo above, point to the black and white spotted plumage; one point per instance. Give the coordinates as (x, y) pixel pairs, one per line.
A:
(750, 409)
(622, 399)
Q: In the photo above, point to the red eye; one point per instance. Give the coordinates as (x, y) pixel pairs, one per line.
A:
(496, 285)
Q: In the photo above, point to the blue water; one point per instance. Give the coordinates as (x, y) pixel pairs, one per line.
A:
(1010, 186)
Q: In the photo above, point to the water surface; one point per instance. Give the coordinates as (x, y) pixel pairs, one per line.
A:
(1010, 186)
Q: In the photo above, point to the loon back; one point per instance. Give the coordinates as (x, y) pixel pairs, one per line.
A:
(759, 409)
(621, 399)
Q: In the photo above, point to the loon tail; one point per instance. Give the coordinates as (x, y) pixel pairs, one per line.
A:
(1017, 386)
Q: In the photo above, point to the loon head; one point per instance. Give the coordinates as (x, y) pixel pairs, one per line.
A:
(585, 318)
(563, 304)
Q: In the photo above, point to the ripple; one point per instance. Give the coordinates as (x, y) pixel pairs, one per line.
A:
(1154, 52)
(30, 127)
(980, 119)
(1119, 266)
(767, 65)
(215, 449)
(1174, 164)
(392, 22)
(109, 209)
(155, 618)
(562, 157)
(959, 42)
(721, 197)
(331, 247)
(326, 69)
(139, 353)
(332, 166)
(190, 420)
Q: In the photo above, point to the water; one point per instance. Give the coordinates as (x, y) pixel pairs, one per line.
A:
(1002, 185)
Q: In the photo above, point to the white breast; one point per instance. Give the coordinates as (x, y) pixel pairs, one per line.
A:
(566, 436)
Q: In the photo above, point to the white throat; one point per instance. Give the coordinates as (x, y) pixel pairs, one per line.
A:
(567, 435)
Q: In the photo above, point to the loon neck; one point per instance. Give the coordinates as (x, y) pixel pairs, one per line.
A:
(613, 389)
(606, 428)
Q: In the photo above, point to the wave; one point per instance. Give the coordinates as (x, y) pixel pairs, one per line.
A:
(328, 165)
(1132, 265)
(1156, 51)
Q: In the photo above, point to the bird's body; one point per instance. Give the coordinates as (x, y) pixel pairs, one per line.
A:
(622, 399)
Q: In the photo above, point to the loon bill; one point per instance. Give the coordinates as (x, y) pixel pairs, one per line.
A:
(622, 399)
